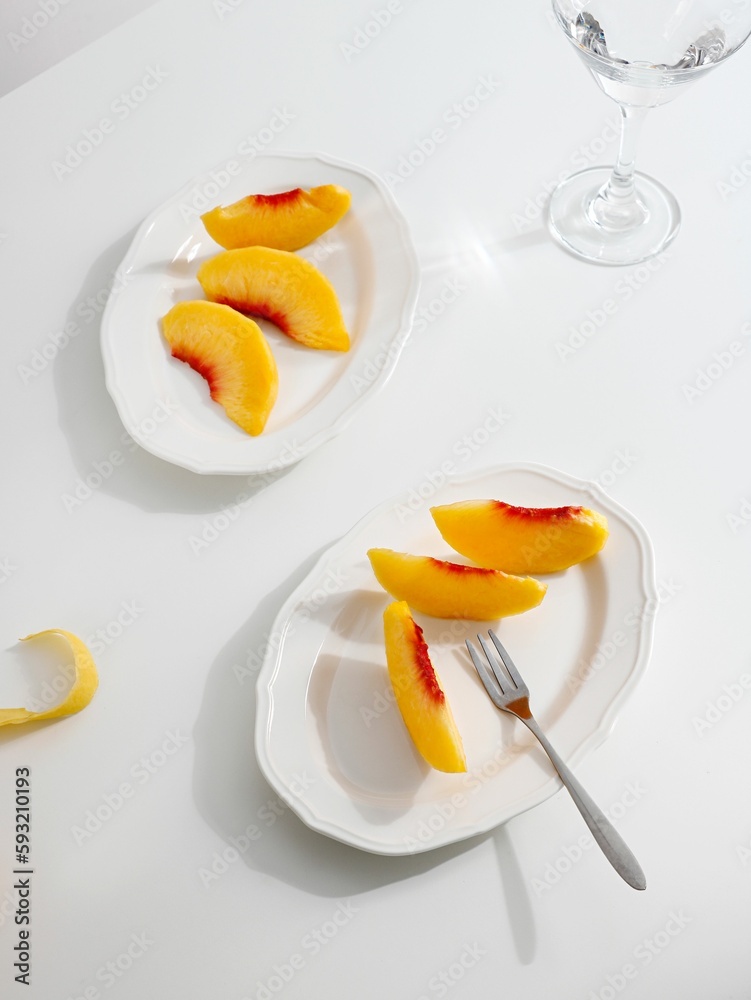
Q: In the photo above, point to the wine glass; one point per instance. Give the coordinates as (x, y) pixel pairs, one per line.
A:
(642, 53)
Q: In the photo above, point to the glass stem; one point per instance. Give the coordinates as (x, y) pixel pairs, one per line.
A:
(616, 207)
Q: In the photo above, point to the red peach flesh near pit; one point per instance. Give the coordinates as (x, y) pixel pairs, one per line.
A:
(275, 200)
(425, 668)
(539, 513)
(204, 368)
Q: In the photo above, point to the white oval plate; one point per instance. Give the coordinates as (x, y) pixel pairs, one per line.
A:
(329, 738)
(368, 257)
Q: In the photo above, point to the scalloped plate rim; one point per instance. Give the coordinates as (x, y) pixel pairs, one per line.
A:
(273, 658)
(397, 341)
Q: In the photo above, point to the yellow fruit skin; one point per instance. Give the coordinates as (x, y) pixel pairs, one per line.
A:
(449, 590)
(84, 685)
(231, 353)
(418, 692)
(280, 287)
(286, 221)
(521, 539)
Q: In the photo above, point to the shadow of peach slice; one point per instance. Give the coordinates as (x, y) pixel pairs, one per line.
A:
(280, 287)
(285, 221)
(85, 684)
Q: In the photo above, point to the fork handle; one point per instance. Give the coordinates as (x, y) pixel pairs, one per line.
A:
(613, 846)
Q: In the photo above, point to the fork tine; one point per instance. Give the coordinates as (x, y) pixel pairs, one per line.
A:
(507, 661)
(495, 666)
(510, 694)
(485, 675)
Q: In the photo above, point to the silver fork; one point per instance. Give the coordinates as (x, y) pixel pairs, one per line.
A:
(508, 692)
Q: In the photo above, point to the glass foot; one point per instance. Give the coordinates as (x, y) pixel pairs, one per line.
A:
(572, 221)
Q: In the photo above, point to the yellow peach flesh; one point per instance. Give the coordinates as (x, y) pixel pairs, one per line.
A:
(419, 695)
(285, 221)
(280, 287)
(445, 589)
(231, 353)
(521, 539)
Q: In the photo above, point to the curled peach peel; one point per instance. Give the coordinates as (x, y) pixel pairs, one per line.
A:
(450, 590)
(280, 287)
(231, 353)
(419, 695)
(84, 685)
(285, 221)
(521, 539)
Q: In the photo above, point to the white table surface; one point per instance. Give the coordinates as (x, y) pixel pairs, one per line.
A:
(477, 919)
(37, 34)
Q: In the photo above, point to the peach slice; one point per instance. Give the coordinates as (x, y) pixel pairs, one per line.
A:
(521, 539)
(231, 353)
(280, 287)
(85, 684)
(285, 221)
(418, 691)
(449, 590)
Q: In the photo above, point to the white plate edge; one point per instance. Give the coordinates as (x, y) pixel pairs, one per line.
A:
(270, 666)
(397, 342)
